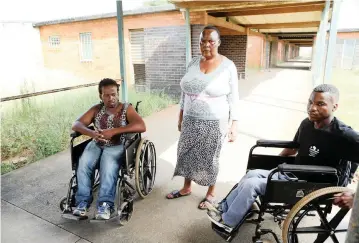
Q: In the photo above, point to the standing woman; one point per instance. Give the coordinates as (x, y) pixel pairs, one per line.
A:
(209, 102)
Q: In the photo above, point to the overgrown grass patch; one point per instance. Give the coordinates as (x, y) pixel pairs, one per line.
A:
(347, 82)
(37, 127)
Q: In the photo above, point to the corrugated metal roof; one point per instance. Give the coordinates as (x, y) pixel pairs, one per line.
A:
(145, 10)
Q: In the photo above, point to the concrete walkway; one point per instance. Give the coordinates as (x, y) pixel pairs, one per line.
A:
(272, 106)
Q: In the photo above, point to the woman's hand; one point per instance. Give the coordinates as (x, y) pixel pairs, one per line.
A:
(97, 136)
(107, 133)
(180, 119)
(179, 126)
(232, 134)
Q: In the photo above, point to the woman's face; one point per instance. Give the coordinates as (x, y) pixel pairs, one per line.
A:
(209, 42)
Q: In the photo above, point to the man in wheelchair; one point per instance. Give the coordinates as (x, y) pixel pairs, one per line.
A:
(322, 104)
(111, 120)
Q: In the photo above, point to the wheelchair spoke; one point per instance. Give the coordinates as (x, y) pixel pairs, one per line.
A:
(334, 238)
(311, 230)
(323, 218)
(147, 173)
(338, 218)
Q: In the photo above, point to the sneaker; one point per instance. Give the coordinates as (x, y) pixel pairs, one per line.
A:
(215, 215)
(214, 208)
(104, 211)
(81, 209)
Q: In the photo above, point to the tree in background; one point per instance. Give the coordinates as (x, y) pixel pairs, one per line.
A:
(155, 2)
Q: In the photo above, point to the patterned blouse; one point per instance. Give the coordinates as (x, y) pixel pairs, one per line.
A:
(212, 96)
(104, 120)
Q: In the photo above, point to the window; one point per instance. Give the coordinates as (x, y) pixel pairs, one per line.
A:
(54, 41)
(85, 47)
(137, 46)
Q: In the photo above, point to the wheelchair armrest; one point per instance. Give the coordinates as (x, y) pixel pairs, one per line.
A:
(130, 136)
(310, 169)
(277, 144)
(78, 134)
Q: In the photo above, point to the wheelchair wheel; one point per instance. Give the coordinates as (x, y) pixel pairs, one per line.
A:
(145, 167)
(68, 202)
(125, 204)
(63, 204)
(312, 219)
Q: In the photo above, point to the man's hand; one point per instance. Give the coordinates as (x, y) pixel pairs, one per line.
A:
(232, 134)
(107, 133)
(344, 200)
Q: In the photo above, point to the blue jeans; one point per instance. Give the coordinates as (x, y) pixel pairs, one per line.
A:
(240, 200)
(110, 159)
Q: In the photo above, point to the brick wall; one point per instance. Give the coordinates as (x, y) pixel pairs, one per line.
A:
(196, 30)
(234, 47)
(341, 61)
(165, 53)
(105, 63)
(66, 58)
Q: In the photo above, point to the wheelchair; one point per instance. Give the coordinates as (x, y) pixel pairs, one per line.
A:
(139, 161)
(307, 195)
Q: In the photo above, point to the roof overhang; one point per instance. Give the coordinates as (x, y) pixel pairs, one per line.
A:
(275, 18)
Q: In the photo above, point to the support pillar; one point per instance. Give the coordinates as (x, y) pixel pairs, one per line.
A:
(320, 46)
(274, 54)
(331, 48)
(121, 48)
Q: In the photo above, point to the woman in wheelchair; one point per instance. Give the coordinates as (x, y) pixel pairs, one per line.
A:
(322, 104)
(111, 120)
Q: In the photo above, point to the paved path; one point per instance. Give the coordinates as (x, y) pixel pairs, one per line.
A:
(272, 106)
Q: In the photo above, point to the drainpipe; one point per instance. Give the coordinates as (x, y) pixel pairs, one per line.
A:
(121, 48)
(188, 37)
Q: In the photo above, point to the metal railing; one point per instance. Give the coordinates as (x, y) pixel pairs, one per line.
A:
(22, 96)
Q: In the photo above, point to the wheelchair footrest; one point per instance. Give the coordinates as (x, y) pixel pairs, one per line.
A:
(73, 217)
(224, 227)
(94, 220)
(112, 218)
(223, 233)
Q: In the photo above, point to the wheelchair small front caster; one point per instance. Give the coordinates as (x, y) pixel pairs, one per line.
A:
(256, 240)
(125, 214)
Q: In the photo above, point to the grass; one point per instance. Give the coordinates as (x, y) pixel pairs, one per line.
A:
(347, 82)
(37, 127)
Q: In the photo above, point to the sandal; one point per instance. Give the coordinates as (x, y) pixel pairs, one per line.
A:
(176, 194)
(203, 207)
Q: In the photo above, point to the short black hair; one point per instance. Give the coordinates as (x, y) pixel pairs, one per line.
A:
(107, 82)
(212, 27)
(328, 88)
